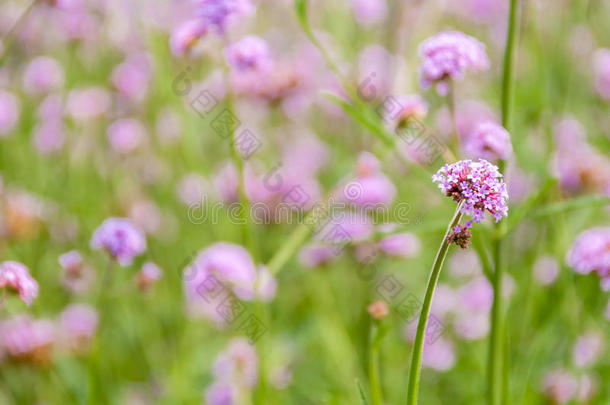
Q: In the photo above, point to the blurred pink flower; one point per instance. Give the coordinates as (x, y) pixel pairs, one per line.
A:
(403, 244)
(220, 393)
(77, 277)
(546, 270)
(374, 72)
(369, 12)
(250, 53)
(42, 75)
(447, 56)
(371, 189)
(192, 189)
(146, 215)
(218, 15)
(316, 254)
(88, 103)
(590, 252)
(125, 135)
(27, 339)
(185, 35)
(237, 363)
(488, 141)
(601, 67)
(587, 349)
(49, 137)
(9, 112)
(439, 355)
(476, 295)
(15, 276)
(148, 275)
(168, 127)
(559, 385)
(410, 106)
(77, 326)
(120, 238)
(131, 77)
(471, 325)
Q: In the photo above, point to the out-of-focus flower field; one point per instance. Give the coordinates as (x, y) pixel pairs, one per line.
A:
(251, 202)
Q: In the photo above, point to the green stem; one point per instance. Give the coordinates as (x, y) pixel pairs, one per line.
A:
(377, 398)
(285, 252)
(418, 344)
(496, 364)
(455, 136)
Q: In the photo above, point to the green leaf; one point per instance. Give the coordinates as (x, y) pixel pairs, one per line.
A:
(571, 204)
(361, 391)
(361, 117)
(300, 6)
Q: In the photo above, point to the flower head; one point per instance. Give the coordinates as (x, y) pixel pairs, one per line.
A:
(448, 55)
(250, 53)
(590, 252)
(120, 238)
(219, 14)
(185, 35)
(488, 141)
(27, 339)
(478, 184)
(15, 276)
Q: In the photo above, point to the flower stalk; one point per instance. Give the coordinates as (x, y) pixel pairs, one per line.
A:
(496, 363)
(418, 344)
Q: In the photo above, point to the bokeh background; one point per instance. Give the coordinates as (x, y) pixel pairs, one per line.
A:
(108, 108)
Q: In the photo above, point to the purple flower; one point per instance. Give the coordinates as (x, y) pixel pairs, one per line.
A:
(369, 12)
(587, 349)
(217, 15)
(400, 244)
(120, 238)
(220, 393)
(42, 75)
(78, 324)
(185, 35)
(15, 276)
(371, 189)
(250, 53)
(488, 141)
(439, 355)
(27, 339)
(546, 270)
(316, 254)
(132, 76)
(237, 364)
(560, 386)
(448, 55)
(88, 103)
(478, 184)
(590, 252)
(49, 137)
(601, 66)
(125, 135)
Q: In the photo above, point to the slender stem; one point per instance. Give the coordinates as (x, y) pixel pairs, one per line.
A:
(455, 136)
(377, 398)
(247, 227)
(496, 363)
(418, 344)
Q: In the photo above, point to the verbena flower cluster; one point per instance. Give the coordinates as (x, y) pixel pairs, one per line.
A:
(590, 253)
(15, 276)
(479, 184)
(448, 55)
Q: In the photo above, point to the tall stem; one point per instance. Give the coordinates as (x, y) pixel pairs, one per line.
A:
(418, 344)
(496, 362)
(376, 395)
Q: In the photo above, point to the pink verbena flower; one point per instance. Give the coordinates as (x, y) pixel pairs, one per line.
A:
(488, 141)
(237, 364)
(120, 238)
(77, 326)
(219, 14)
(448, 55)
(250, 53)
(590, 252)
(27, 339)
(478, 184)
(15, 276)
(601, 65)
(185, 35)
